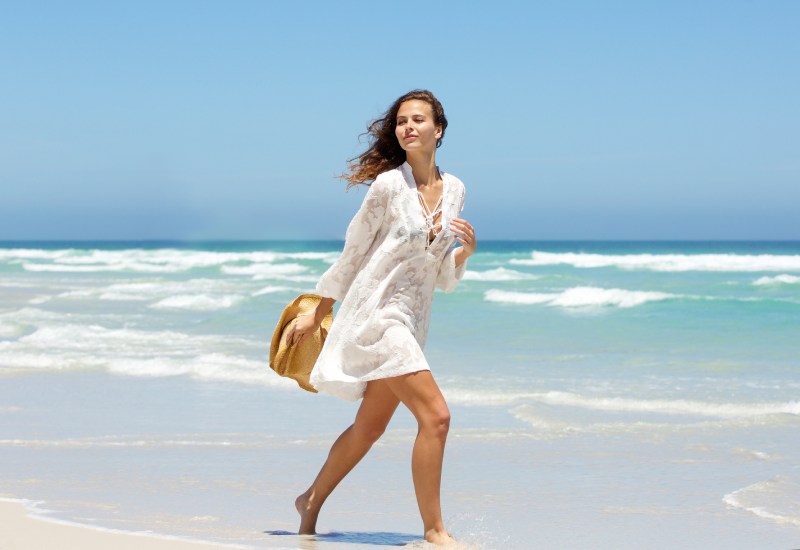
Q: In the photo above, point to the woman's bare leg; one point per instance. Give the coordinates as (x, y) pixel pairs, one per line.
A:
(374, 414)
(419, 392)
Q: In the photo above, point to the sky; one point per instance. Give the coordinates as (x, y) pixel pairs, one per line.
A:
(200, 119)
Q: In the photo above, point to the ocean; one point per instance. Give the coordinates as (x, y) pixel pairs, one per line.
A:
(604, 394)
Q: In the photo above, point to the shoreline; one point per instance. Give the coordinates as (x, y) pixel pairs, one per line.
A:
(28, 527)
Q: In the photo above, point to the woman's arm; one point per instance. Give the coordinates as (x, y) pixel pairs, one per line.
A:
(461, 256)
(465, 235)
(361, 233)
(324, 306)
(453, 265)
(309, 323)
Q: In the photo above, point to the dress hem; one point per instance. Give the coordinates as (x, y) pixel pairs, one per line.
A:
(353, 391)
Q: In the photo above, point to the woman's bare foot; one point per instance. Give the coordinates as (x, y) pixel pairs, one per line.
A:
(439, 538)
(308, 514)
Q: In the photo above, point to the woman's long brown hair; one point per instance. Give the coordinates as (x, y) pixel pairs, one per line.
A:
(384, 152)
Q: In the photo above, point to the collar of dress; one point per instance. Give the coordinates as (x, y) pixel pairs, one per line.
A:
(408, 175)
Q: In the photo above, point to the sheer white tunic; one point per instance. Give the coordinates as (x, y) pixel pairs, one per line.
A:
(384, 280)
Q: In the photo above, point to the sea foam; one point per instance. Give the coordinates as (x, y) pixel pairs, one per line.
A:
(265, 270)
(672, 407)
(777, 280)
(774, 499)
(139, 267)
(666, 262)
(271, 290)
(155, 261)
(684, 407)
(580, 297)
(148, 290)
(498, 274)
(198, 302)
(141, 353)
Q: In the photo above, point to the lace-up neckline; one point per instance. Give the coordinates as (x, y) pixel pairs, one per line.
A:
(433, 227)
(430, 215)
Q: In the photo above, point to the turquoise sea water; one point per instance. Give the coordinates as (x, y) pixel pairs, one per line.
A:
(601, 391)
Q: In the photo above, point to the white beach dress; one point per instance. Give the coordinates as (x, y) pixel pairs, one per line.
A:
(384, 280)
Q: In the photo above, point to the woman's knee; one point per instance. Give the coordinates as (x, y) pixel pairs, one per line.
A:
(436, 421)
(369, 432)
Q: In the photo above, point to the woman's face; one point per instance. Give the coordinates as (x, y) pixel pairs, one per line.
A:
(415, 128)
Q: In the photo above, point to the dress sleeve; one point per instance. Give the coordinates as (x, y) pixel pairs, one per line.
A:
(360, 236)
(448, 275)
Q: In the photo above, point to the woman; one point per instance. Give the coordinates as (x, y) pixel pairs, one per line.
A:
(398, 247)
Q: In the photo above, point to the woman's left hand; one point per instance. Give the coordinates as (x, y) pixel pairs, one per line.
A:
(465, 234)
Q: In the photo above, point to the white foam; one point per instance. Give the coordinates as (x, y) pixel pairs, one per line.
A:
(178, 259)
(208, 294)
(208, 366)
(484, 397)
(164, 260)
(674, 407)
(33, 360)
(34, 511)
(580, 297)
(265, 270)
(15, 284)
(34, 253)
(88, 337)
(294, 278)
(141, 353)
(327, 257)
(11, 329)
(498, 274)
(122, 266)
(550, 423)
(97, 341)
(198, 302)
(622, 404)
(271, 290)
(33, 315)
(678, 406)
(666, 262)
(778, 280)
(774, 499)
(495, 295)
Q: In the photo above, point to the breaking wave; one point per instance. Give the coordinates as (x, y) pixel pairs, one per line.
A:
(666, 262)
(498, 274)
(580, 297)
(774, 499)
(777, 280)
(164, 260)
(198, 302)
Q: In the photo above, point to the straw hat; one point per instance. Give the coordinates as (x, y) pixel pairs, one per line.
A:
(296, 361)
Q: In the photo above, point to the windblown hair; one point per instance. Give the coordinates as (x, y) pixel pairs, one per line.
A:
(384, 152)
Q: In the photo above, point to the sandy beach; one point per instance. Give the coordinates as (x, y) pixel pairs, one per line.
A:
(24, 528)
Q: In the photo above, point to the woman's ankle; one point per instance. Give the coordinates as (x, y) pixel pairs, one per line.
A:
(439, 537)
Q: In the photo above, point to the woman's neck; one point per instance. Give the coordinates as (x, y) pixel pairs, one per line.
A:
(423, 166)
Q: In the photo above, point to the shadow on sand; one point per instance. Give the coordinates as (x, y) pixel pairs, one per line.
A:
(379, 538)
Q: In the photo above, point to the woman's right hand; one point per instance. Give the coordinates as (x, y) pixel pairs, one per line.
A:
(304, 326)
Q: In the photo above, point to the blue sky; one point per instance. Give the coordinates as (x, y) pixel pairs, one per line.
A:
(571, 120)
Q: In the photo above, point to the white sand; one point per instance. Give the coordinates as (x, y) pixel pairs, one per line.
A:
(22, 531)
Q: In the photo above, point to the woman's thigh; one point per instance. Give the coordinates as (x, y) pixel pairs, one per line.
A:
(421, 394)
(377, 407)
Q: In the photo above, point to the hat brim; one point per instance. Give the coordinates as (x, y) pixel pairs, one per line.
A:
(292, 360)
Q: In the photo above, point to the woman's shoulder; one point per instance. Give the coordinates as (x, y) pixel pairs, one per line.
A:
(456, 184)
(388, 180)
